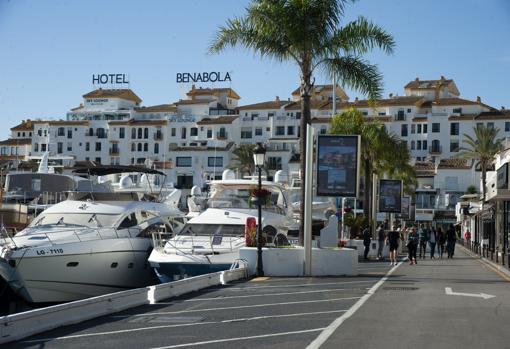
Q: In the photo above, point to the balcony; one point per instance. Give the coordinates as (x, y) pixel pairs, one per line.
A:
(114, 151)
(435, 150)
(158, 136)
(221, 135)
(400, 117)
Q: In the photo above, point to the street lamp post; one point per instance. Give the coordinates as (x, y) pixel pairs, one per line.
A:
(259, 154)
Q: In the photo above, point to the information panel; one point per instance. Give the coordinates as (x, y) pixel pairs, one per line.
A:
(338, 165)
(406, 208)
(390, 195)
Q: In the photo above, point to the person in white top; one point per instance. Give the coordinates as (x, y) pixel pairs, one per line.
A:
(432, 241)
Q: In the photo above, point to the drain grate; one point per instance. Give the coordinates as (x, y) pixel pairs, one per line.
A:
(401, 288)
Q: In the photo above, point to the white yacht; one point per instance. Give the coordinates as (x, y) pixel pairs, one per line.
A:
(211, 241)
(88, 245)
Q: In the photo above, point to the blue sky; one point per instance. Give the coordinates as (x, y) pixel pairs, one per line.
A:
(49, 50)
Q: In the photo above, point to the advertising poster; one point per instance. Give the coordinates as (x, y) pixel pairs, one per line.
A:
(502, 179)
(337, 165)
(390, 195)
(406, 208)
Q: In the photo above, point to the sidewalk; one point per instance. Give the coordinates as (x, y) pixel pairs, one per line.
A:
(413, 310)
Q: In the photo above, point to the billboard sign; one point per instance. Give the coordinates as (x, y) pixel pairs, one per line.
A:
(502, 177)
(390, 195)
(338, 165)
(406, 208)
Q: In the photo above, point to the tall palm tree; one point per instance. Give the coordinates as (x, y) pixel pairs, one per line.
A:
(309, 33)
(381, 152)
(244, 159)
(482, 148)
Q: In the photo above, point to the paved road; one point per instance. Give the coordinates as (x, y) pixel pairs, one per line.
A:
(407, 308)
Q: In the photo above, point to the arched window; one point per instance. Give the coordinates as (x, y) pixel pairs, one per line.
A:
(139, 146)
(156, 148)
(146, 133)
(140, 133)
(133, 133)
(133, 146)
(412, 145)
(146, 147)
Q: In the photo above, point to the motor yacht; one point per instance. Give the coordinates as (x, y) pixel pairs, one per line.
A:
(211, 240)
(87, 245)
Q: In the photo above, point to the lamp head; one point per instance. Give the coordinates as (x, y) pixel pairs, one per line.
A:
(259, 155)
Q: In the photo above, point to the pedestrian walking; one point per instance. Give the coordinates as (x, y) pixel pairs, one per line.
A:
(381, 237)
(393, 240)
(441, 240)
(451, 238)
(413, 240)
(422, 234)
(432, 242)
(366, 241)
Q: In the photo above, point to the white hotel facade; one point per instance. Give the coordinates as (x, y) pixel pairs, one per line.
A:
(192, 139)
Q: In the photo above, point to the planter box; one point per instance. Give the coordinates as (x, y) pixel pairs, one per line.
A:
(290, 261)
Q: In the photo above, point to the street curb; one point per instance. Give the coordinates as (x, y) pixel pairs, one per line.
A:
(489, 262)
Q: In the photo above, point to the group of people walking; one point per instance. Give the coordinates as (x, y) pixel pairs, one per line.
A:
(417, 238)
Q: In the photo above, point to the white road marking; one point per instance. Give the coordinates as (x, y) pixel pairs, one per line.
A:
(238, 307)
(328, 331)
(449, 292)
(239, 338)
(183, 325)
(258, 295)
(295, 285)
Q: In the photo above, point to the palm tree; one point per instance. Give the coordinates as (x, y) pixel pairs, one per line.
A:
(483, 148)
(381, 152)
(244, 159)
(309, 33)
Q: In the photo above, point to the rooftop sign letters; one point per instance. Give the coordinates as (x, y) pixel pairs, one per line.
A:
(109, 79)
(202, 77)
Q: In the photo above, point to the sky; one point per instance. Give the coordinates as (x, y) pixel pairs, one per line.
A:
(49, 50)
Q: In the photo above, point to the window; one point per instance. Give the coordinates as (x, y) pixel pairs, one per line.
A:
(412, 145)
(436, 146)
(280, 130)
(413, 128)
(270, 115)
(209, 133)
(254, 116)
(121, 132)
(215, 161)
(454, 129)
(70, 133)
(403, 130)
(400, 115)
(274, 163)
(404, 143)
(246, 133)
(98, 146)
(479, 124)
(507, 126)
(184, 182)
(382, 113)
(60, 147)
(193, 131)
(323, 130)
(183, 161)
(418, 145)
(424, 145)
(39, 132)
(156, 148)
(298, 115)
(425, 128)
(457, 110)
(133, 133)
(133, 146)
(490, 125)
(36, 147)
(436, 127)
(418, 128)
(258, 131)
(409, 110)
(146, 133)
(60, 131)
(290, 130)
(183, 133)
(454, 146)
(146, 147)
(140, 133)
(139, 147)
(69, 146)
(98, 160)
(172, 132)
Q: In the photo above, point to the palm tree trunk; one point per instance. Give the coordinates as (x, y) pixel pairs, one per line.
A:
(484, 184)
(306, 87)
(368, 186)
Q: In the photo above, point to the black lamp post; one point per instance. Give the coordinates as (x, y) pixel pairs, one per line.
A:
(259, 155)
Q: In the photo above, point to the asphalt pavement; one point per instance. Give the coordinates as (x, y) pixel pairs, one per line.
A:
(448, 303)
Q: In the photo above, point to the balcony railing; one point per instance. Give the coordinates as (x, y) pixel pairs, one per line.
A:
(158, 136)
(221, 135)
(114, 151)
(400, 117)
(435, 150)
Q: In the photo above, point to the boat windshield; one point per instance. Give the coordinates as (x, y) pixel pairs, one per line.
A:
(212, 229)
(244, 197)
(91, 220)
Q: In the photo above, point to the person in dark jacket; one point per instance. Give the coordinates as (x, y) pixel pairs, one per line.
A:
(413, 240)
(441, 240)
(366, 241)
(451, 238)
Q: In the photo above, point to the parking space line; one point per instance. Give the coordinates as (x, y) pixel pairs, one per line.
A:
(260, 295)
(238, 307)
(328, 331)
(184, 325)
(239, 338)
(294, 285)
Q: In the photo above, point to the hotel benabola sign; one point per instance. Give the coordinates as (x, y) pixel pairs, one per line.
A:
(202, 77)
